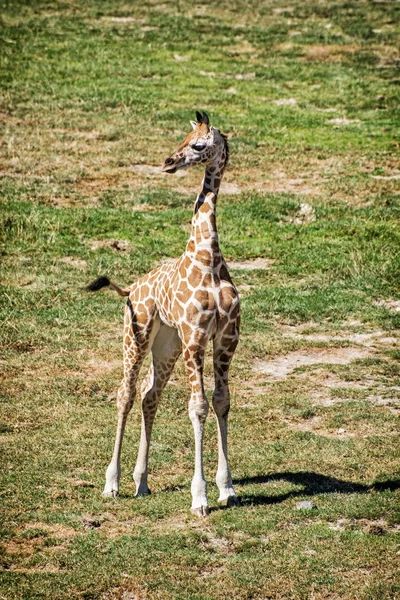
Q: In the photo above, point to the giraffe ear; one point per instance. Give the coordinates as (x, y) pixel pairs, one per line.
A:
(193, 124)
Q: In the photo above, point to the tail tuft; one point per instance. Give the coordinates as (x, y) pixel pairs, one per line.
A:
(99, 283)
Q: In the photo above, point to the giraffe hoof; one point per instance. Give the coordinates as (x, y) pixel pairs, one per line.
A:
(110, 494)
(229, 501)
(143, 492)
(201, 511)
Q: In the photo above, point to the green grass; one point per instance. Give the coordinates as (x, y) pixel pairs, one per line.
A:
(93, 97)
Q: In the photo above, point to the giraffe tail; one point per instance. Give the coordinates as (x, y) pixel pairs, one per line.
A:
(101, 282)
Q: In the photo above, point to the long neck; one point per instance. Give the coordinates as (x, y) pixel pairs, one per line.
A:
(204, 235)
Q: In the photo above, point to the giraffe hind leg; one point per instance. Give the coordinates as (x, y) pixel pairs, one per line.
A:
(165, 351)
(125, 398)
(137, 343)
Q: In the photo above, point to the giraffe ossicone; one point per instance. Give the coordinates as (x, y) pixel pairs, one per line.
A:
(178, 308)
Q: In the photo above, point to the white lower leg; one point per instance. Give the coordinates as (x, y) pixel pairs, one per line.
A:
(113, 472)
(141, 468)
(227, 494)
(199, 485)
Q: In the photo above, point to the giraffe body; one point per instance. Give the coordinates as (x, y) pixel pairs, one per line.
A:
(178, 308)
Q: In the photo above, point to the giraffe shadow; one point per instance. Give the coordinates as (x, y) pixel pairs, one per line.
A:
(311, 484)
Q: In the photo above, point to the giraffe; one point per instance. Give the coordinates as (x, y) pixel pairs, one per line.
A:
(178, 308)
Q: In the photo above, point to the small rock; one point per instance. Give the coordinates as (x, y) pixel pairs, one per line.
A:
(306, 505)
(341, 430)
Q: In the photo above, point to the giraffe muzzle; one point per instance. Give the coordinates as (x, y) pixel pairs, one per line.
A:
(170, 165)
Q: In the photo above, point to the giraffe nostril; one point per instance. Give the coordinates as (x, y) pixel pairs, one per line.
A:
(169, 161)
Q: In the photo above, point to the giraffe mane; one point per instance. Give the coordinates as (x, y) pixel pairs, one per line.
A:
(225, 138)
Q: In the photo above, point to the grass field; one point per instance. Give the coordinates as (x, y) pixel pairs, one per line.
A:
(94, 96)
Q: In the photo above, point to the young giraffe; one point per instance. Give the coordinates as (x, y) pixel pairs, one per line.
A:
(178, 307)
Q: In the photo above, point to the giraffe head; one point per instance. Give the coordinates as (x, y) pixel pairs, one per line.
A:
(203, 145)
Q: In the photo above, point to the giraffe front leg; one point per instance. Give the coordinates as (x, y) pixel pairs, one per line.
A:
(198, 411)
(221, 405)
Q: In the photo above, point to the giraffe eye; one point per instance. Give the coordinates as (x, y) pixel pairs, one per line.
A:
(199, 147)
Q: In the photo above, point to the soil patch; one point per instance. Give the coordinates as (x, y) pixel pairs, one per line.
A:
(250, 264)
(342, 121)
(285, 102)
(372, 526)
(329, 52)
(304, 216)
(370, 339)
(96, 367)
(314, 425)
(149, 170)
(279, 368)
(392, 305)
(230, 189)
(119, 245)
(77, 263)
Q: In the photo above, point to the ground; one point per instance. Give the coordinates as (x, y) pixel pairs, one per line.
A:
(94, 97)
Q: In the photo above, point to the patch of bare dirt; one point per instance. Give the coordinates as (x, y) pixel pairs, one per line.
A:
(77, 263)
(251, 264)
(282, 366)
(229, 189)
(370, 339)
(119, 245)
(148, 170)
(123, 19)
(245, 76)
(342, 121)
(77, 133)
(372, 526)
(280, 180)
(386, 177)
(285, 102)
(121, 593)
(181, 57)
(314, 425)
(147, 207)
(82, 483)
(304, 216)
(329, 390)
(242, 48)
(329, 52)
(175, 522)
(392, 404)
(220, 544)
(32, 539)
(392, 305)
(61, 532)
(97, 366)
(244, 289)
